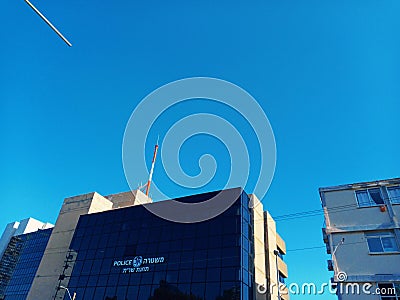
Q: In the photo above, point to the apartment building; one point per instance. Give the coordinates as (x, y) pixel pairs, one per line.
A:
(362, 235)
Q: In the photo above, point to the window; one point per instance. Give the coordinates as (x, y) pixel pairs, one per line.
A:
(394, 194)
(369, 197)
(280, 253)
(379, 242)
(281, 278)
(389, 291)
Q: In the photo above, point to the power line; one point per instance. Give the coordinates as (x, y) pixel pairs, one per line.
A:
(319, 247)
(318, 212)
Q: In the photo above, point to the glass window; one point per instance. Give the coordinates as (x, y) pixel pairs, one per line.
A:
(172, 276)
(230, 240)
(379, 242)
(99, 293)
(102, 280)
(230, 290)
(198, 289)
(132, 292)
(184, 288)
(186, 260)
(212, 290)
(200, 259)
(394, 194)
(89, 292)
(215, 241)
(92, 281)
(245, 291)
(199, 275)
(185, 276)
(201, 243)
(281, 278)
(213, 274)
(229, 274)
(147, 278)
(160, 277)
(87, 266)
(214, 258)
(369, 197)
(144, 291)
(121, 292)
(82, 282)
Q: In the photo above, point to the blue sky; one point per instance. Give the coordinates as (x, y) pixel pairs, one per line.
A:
(325, 72)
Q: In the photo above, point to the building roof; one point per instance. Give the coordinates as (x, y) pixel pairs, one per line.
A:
(360, 185)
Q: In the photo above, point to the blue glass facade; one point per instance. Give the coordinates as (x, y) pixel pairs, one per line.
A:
(22, 257)
(129, 253)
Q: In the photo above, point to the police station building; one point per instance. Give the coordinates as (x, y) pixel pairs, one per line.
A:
(118, 247)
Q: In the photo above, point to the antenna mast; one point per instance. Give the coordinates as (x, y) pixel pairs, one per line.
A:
(152, 169)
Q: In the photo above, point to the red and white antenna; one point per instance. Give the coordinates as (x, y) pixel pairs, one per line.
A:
(152, 168)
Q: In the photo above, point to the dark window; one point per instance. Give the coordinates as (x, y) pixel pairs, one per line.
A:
(389, 291)
(198, 290)
(381, 241)
(212, 290)
(199, 275)
(394, 194)
(369, 197)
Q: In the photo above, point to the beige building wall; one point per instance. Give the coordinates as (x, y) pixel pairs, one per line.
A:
(46, 281)
(260, 275)
(273, 241)
(130, 198)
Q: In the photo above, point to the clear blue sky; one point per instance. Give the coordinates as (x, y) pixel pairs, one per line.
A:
(326, 73)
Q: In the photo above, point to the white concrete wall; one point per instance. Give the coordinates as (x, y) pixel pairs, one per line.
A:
(353, 257)
(351, 214)
(31, 225)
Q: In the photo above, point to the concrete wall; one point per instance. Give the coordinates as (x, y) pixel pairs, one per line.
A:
(353, 257)
(273, 241)
(130, 198)
(46, 280)
(260, 275)
(344, 212)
